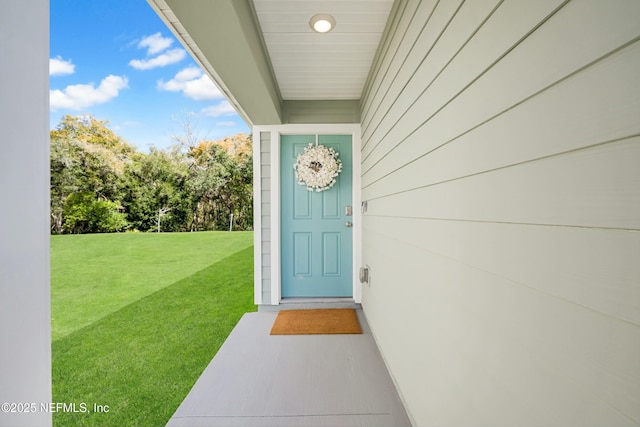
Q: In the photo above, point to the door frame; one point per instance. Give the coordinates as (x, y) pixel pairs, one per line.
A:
(352, 129)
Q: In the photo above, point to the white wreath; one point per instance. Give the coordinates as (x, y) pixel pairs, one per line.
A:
(317, 167)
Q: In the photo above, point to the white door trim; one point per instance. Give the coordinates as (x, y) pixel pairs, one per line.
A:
(257, 218)
(352, 129)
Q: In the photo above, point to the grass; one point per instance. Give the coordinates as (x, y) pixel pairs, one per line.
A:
(141, 355)
(93, 275)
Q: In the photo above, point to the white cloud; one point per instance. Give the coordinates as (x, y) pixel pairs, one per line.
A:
(60, 67)
(169, 57)
(188, 73)
(193, 83)
(226, 124)
(77, 97)
(155, 43)
(222, 109)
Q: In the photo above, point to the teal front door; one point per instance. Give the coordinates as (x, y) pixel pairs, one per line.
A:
(316, 234)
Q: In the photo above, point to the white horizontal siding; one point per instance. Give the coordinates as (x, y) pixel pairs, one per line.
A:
(265, 213)
(512, 137)
(590, 267)
(487, 350)
(500, 153)
(445, 112)
(390, 50)
(568, 190)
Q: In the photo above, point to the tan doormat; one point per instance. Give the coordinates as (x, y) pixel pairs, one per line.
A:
(316, 321)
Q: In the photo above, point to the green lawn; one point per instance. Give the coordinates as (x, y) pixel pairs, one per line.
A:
(137, 317)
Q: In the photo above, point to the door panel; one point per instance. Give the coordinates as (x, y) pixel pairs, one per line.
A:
(331, 254)
(302, 254)
(316, 245)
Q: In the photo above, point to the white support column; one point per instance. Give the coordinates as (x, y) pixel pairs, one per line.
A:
(25, 332)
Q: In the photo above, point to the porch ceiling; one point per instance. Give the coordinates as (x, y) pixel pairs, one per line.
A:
(266, 58)
(309, 65)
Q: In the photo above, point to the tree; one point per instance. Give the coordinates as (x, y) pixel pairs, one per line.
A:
(100, 183)
(154, 191)
(221, 183)
(86, 157)
(239, 198)
(86, 214)
(209, 176)
(190, 135)
(65, 178)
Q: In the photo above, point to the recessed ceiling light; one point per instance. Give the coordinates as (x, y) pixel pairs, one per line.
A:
(322, 23)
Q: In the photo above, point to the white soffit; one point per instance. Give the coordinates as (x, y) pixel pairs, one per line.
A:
(330, 66)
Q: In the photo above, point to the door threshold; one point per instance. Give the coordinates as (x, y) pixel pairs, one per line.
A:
(315, 299)
(311, 303)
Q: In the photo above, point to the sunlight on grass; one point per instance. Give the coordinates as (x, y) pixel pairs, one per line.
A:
(142, 359)
(94, 275)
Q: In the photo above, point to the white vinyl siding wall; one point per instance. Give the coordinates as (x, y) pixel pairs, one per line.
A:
(265, 214)
(501, 168)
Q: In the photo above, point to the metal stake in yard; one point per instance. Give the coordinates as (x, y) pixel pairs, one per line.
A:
(231, 223)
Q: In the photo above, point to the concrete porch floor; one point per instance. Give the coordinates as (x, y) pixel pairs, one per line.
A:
(257, 379)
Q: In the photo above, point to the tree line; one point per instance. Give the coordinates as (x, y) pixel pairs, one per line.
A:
(102, 184)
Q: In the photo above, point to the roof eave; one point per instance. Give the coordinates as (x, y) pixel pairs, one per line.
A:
(224, 38)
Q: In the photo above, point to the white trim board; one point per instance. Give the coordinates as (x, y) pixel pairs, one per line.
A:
(257, 219)
(352, 129)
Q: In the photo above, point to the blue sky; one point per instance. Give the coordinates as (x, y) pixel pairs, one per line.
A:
(117, 61)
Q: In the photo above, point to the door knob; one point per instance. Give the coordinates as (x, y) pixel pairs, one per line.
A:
(349, 224)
